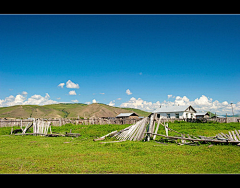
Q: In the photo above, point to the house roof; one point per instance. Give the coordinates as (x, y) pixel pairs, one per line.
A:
(125, 114)
(202, 113)
(173, 109)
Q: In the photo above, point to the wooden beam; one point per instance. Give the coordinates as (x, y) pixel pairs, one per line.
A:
(103, 137)
(191, 139)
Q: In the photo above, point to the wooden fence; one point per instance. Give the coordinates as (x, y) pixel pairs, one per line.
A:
(63, 121)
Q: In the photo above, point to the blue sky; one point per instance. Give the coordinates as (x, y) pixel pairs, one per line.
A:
(154, 56)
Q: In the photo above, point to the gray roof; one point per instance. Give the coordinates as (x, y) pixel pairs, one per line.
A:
(172, 109)
(201, 113)
(125, 114)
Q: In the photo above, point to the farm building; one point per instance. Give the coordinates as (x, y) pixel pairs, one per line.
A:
(202, 115)
(176, 112)
(127, 115)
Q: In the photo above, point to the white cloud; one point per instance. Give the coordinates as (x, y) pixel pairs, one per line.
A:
(102, 93)
(200, 104)
(94, 101)
(70, 84)
(72, 92)
(75, 101)
(111, 103)
(140, 104)
(128, 92)
(119, 99)
(24, 93)
(22, 100)
(169, 96)
(61, 85)
(225, 103)
(140, 73)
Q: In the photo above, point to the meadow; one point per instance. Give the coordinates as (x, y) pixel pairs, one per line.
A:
(38, 154)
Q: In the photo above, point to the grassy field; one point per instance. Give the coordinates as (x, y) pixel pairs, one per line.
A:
(36, 154)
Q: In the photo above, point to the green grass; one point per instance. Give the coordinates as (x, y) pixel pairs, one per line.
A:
(36, 154)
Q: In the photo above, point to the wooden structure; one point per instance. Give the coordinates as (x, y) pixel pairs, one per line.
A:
(127, 115)
(145, 129)
(200, 115)
(41, 128)
(63, 121)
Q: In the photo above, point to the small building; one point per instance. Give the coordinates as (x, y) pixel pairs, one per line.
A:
(127, 115)
(200, 115)
(214, 117)
(176, 112)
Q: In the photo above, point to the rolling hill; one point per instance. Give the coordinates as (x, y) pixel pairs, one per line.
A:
(65, 110)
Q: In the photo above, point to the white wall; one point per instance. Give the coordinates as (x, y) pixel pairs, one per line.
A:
(182, 115)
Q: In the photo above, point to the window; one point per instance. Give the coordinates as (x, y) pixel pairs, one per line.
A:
(186, 115)
(158, 115)
(177, 115)
(168, 115)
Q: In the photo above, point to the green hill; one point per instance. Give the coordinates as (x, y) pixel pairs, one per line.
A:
(63, 110)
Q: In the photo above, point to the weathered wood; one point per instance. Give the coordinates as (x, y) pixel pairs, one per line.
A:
(237, 134)
(54, 135)
(103, 137)
(72, 134)
(230, 136)
(235, 138)
(206, 140)
(224, 135)
(156, 129)
(112, 141)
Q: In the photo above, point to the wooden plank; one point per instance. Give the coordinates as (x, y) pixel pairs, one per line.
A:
(223, 135)
(103, 137)
(206, 140)
(142, 135)
(139, 131)
(230, 136)
(234, 136)
(156, 129)
(237, 135)
(142, 129)
(166, 128)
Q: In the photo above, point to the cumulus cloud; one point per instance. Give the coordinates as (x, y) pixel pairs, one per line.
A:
(200, 104)
(22, 100)
(61, 85)
(140, 104)
(72, 92)
(24, 93)
(94, 101)
(102, 93)
(111, 103)
(128, 92)
(70, 84)
(75, 101)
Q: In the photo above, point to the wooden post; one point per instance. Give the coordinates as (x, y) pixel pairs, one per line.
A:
(166, 129)
(156, 129)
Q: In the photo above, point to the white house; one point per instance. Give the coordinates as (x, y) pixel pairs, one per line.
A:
(179, 112)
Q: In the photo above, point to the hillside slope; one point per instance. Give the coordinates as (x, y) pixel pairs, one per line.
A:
(65, 110)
